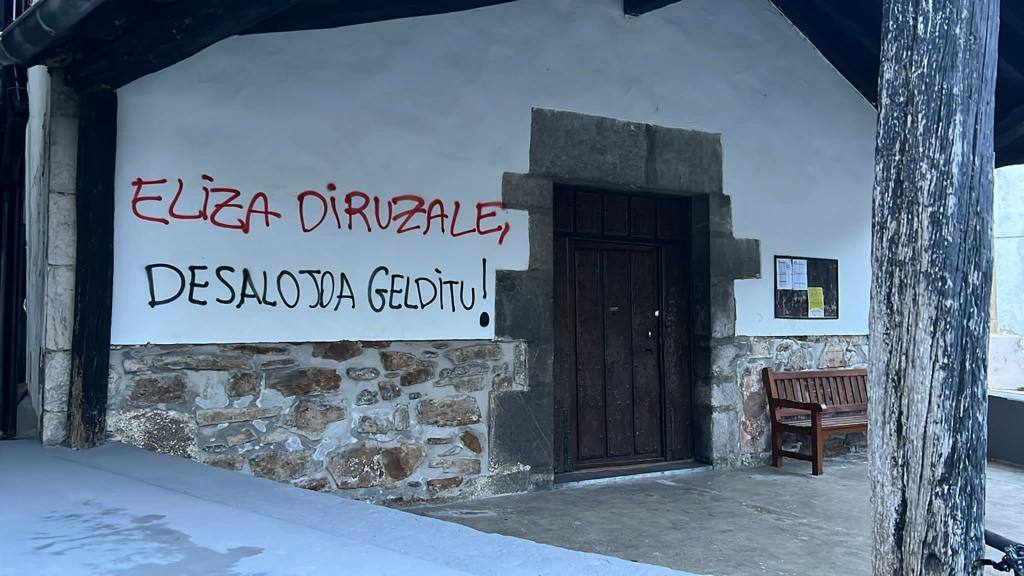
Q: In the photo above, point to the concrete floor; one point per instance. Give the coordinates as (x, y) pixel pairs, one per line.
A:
(116, 510)
(730, 522)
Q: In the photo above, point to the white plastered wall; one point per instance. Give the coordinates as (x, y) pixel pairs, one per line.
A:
(441, 105)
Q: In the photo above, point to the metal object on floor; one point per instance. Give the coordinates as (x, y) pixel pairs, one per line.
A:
(1013, 554)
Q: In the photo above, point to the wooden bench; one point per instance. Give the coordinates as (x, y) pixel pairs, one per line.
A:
(816, 404)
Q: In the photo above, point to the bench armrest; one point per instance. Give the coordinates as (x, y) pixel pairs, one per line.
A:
(785, 403)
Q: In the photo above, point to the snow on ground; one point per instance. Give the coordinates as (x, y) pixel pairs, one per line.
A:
(118, 510)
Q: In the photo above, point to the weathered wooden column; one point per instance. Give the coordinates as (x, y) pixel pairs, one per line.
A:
(932, 264)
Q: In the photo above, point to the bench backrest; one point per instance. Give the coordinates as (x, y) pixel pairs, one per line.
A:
(838, 390)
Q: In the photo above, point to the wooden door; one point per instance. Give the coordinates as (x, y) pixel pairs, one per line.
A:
(617, 362)
(621, 330)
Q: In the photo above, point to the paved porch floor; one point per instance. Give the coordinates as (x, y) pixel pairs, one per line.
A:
(731, 522)
(116, 510)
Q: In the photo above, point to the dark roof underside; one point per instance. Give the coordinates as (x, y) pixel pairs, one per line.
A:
(121, 40)
(849, 34)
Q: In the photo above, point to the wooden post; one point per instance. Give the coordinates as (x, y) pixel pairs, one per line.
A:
(94, 265)
(931, 282)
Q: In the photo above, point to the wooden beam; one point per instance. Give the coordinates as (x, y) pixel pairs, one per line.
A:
(94, 265)
(638, 7)
(179, 31)
(930, 286)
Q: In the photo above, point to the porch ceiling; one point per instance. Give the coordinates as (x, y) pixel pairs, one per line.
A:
(849, 35)
(108, 43)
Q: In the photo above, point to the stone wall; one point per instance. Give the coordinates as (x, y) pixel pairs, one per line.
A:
(396, 423)
(739, 370)
(50, 212)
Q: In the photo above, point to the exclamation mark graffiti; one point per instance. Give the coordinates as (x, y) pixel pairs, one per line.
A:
(485, 318)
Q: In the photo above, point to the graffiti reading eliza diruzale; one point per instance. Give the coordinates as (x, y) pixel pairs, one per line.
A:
(162, 201)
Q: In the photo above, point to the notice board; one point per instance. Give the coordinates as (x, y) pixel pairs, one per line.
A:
(806, 288)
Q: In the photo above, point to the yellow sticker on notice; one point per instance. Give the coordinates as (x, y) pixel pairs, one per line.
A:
(815, 302)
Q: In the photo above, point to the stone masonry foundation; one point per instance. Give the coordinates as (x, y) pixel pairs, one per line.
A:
(742, 373)
(389, 422)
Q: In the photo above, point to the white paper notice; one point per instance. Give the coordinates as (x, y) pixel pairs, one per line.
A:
(784, 273)
(799, 274)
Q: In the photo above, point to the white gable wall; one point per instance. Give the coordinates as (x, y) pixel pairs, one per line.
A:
(440, 106)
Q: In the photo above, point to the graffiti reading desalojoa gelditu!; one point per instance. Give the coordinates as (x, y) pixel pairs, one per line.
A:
(381, 289)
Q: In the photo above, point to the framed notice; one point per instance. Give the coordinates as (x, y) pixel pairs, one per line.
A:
(806, 288)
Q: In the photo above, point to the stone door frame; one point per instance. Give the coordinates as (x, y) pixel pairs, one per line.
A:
(580, 149)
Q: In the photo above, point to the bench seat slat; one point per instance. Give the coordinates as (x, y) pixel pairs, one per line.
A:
(831, 421)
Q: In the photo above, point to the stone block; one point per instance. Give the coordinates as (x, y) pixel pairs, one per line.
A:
(363, 373)
(857, 353)
(470, 369)
(372, 425)
(581, 147)
(225, 461)
(725, 437)
(311, 416)
(400, 418)
(462, 466)
(509, 481)
(366, 397)
(255, 349)
(162, 431)
(60, 237)
(474, 353)
(55, 427)
(226, 415)
(63, 154)
(833, 355)
(158, 388)
(502, 379)
(760, 348)
(723, 309)
(356, 466)
(453, 411)
(401, 461)
(243, 384)
(525, 192)
(60, 307)
(278, 363)
(280, 466)
(542, 228)
(314, 484)
(58, 375)
(417, 375)
(389, 390)
(471, 441)
(184, 360)
(376, 344)
(791, 356)
(508, 444)
(238, 437)
(686, 160)
(463, 383)
(337, 351)
(392, 360)
(437, 485)
(520, 366)
(304, 381)
(735, 258)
